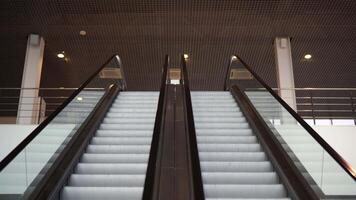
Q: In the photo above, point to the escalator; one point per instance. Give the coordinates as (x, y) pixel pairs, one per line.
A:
(233, 163)
(115, 162)
(247, 143)
(101, 143)
(243, 142)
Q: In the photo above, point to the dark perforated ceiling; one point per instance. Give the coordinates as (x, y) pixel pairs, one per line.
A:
(142, 32)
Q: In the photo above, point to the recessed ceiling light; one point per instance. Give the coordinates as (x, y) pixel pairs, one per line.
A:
(82, 33)
(186, 56)
(60, 55)
(307, 56)
(79, 98)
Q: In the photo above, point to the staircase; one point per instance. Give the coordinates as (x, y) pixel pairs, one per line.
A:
(114, 164)
(233, 163)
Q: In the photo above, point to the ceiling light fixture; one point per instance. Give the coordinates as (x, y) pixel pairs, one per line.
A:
(79, 98)
(60, 55)
(233, 58)
(82, 33)
(186, 56)
(307, 56)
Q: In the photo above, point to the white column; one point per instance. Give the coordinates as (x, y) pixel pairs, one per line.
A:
(285, 76)
(28, 110)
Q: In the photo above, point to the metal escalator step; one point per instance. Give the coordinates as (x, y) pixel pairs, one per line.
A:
(216, 109)
(114, 158)
(226, 139)
(235, 126)
(126, 126)
(244, 191)
(240, 178)
(121, 140)
(229, 147)
(110, 168)
(123, 133)
(106, 180)
(219, 119)
(110, 120)
(107, 193)
(117, 149)
(217, 114)
(232, 156)
(230, 166)
(130, 115)
(134, 110)
(224, 132)
(248, 199)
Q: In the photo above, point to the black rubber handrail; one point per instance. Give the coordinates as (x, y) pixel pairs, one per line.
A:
(198, 190)
(150, 180)
(227, 75)
(337, 157)
(40, 127)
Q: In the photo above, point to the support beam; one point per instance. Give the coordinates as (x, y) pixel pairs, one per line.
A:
(29, 101)
(285, 76)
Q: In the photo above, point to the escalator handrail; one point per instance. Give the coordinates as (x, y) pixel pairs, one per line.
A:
(198, 190)
(336, 156)
(227, 76)
(22, 145)
(150, 185)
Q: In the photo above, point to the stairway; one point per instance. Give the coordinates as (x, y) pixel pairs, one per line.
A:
(233, 163)
(114, 164)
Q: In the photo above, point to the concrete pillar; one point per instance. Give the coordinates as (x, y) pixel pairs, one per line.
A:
(285, 76)
(29, 102)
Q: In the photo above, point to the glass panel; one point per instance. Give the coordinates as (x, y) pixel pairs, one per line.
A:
(309, 156)
(31, 164)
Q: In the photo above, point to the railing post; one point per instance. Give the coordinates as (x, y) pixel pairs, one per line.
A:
(312, 106)
(39, 110)
(352, 107)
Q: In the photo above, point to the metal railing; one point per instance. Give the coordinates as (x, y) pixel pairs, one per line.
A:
(325, 103)
(24, 104)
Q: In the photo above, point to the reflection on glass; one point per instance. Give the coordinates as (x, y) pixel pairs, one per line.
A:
(29, 166)
(39, 155)
(308, 155)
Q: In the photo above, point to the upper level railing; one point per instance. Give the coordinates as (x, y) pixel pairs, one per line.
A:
(333, 174)
(333, 104)
(37, 108)
(26, 166)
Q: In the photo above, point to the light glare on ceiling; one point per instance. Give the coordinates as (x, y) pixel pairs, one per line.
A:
(83, 33)
(307, 56)
(60, 55)
(79, 98)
